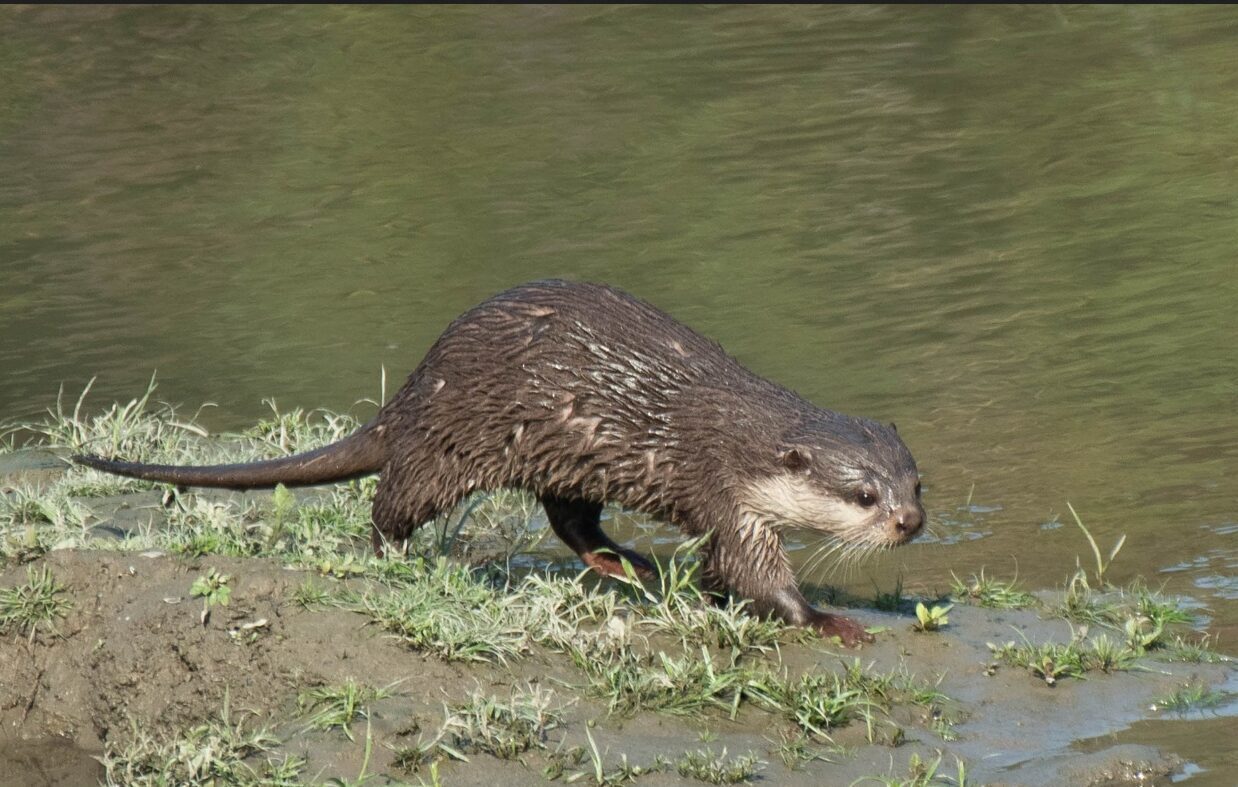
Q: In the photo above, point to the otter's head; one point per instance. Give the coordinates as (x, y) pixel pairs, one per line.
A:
(850, 478)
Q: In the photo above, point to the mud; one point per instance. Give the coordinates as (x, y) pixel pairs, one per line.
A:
(132, 653)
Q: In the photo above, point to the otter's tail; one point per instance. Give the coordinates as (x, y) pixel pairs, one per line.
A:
(359, 454)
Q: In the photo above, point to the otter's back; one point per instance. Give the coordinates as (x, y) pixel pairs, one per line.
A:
(562, 385)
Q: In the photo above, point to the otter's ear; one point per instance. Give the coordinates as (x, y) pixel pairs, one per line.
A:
(894, 426)
(796, 458)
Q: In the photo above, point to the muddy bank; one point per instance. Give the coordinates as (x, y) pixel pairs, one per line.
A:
(497, 679)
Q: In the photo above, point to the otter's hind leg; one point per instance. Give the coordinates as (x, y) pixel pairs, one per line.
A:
(399, 509)
(578, 524)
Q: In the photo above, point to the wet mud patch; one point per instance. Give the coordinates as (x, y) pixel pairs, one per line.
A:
(132, 654)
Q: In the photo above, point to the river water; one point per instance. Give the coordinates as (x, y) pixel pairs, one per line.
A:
(1012, 231)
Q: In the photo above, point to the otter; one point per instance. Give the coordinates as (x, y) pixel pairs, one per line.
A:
(582, 395)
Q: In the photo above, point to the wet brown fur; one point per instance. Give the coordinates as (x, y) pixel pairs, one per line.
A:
(584, 395)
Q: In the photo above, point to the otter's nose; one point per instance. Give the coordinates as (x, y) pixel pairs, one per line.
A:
(908, 520)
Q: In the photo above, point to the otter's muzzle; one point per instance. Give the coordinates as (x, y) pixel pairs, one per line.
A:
(906, 523)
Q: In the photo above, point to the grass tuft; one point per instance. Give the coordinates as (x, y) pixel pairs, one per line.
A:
(920, 773)
(706, 766)
(503, 728)
(1193, 651)
(985, 591)
(448, 613)
(328, 707)
(36, 604)
(218, 751)
(1191, 696)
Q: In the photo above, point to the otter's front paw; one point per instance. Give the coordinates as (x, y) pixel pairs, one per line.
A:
(846, 629)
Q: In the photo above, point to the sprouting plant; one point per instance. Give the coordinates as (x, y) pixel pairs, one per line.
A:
(282, 502)
(213, 589)
(931, 618)
(1102, 563)
(1142, 632)
(622, 774)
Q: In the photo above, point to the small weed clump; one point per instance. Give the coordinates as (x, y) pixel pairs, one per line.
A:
(1081, 604)
(36, 604)
(498, 527)
(503, 728)
(1189, 697)
(1052, 661)
(1141, 616)
(795, 749)
(328, 707)
(1049, 662)
(1143, 620)
(682, 685)
(562, 761)
(920, 773)
(819, 702)
(1109, 655)
(891, 601)
(444, 609)
(310, 595)
(602, 775)
(219, 751)
(985, 591)
(706, 766)
(412, 758)
(1140, 619)
(34, 519)
(197, 527)
(1196, 651)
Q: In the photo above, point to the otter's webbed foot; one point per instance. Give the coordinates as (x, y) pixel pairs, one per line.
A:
(849, 631)
(790, 605)
(578, 523)
(610, 564)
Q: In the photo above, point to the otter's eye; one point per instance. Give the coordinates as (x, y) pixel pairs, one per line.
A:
(917, 489)
(866, 499)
